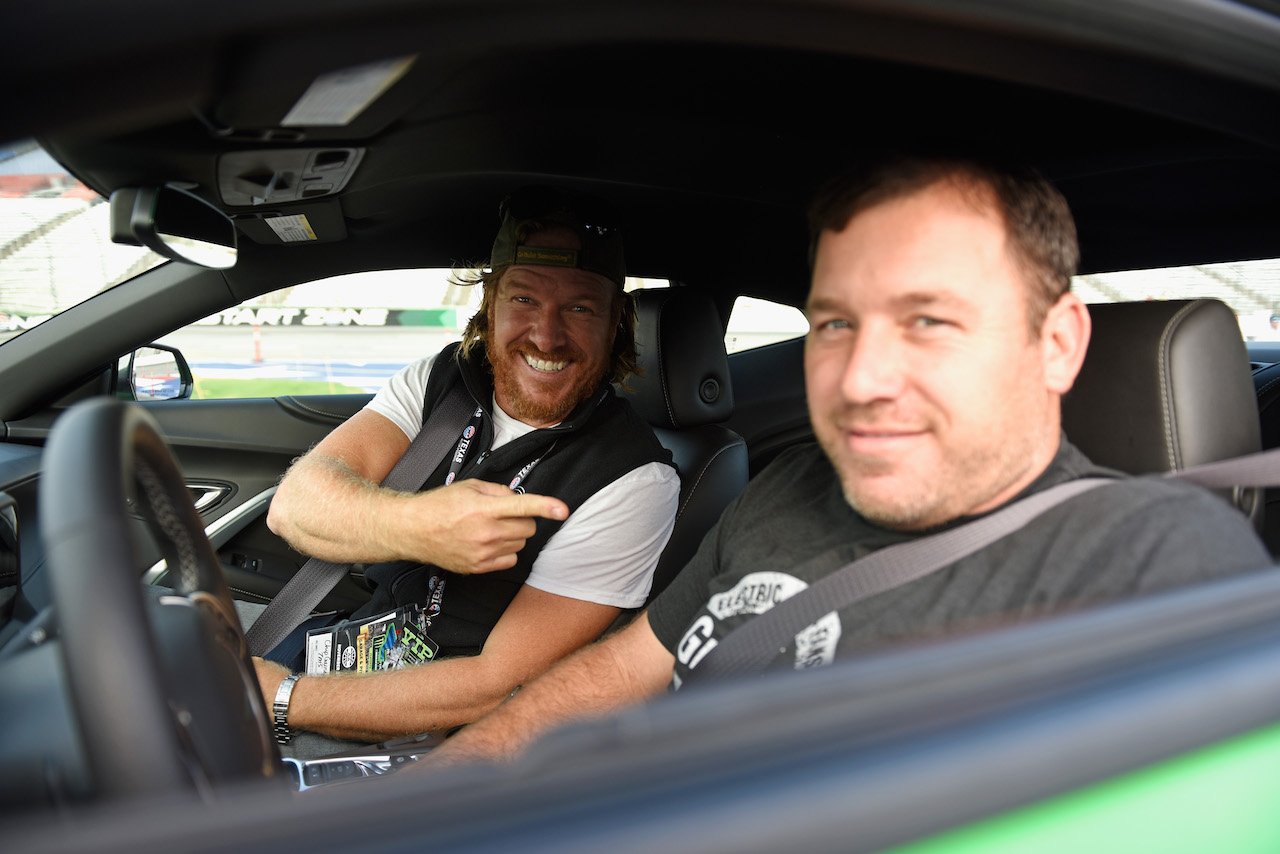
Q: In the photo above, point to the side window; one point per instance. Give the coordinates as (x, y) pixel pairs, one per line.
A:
(344, 335)
(756, 323)
(1250, 288)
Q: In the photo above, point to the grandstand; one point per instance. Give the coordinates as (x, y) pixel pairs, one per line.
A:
(1248, 287)
(55, 252)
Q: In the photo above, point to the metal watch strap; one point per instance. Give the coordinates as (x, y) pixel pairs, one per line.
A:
(280, 708)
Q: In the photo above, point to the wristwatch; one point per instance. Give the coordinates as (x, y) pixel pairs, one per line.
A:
(280, 708)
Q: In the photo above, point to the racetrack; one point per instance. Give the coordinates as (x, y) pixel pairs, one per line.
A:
(350, 356)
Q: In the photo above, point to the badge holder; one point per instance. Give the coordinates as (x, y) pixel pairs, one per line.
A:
(386, 642)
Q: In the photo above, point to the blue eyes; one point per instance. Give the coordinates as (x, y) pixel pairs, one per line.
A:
(919, 322)
(575, 309)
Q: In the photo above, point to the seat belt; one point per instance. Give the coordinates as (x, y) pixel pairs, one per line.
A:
(316, 578)
(753, 645)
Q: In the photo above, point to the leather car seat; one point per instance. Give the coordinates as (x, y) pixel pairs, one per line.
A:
(1165, 385)
(1266, 383)
(684, 392)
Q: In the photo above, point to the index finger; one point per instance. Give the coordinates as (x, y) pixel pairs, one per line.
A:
(532, 505)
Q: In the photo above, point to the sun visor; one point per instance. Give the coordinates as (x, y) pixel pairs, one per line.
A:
(297, 225)
(354, 103)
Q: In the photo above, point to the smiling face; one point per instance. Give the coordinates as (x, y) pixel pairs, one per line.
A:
(926, 389)
(551, 335)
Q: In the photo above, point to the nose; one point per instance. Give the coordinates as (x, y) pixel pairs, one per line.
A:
(547, 331)
(873, 368)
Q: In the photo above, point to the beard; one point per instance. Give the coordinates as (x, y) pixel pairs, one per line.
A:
(534, 405)
(929, 489)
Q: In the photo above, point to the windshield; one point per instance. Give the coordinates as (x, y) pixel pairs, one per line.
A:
(55, 246)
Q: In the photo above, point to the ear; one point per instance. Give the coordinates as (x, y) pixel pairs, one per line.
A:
(1064, 338)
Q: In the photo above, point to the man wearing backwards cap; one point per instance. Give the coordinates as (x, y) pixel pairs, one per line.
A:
(512, 579)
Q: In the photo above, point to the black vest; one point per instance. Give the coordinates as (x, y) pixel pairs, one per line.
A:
(599, 442)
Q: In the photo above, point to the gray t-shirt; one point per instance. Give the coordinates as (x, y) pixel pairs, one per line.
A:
(1134, 536)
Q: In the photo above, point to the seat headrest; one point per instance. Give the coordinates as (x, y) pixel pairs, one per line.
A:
(1165, 386)
(684, 379)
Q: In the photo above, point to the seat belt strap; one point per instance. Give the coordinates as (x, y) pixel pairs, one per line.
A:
(316, 578)
(754, 644)
(751, 646)
(1252, 470)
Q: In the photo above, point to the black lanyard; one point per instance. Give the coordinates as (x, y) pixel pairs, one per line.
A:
(528, 467)
(464, 444)
(460, 453)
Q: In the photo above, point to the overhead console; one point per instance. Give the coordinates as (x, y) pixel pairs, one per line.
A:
(280, 176)
(291, 192)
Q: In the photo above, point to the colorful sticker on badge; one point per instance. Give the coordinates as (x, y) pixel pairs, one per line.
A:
(386, 642)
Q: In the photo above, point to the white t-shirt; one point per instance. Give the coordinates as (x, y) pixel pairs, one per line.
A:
(606, 551)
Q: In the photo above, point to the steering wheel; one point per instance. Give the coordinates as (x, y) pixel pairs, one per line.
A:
(162, 688)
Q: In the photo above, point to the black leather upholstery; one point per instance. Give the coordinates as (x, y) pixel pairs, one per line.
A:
(1266, 383)
(685, 372)
(684, 392)
(1165, 386)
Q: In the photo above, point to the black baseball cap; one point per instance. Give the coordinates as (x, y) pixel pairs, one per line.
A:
(533, 209)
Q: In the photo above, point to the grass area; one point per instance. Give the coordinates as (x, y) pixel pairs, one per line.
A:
(217, 389)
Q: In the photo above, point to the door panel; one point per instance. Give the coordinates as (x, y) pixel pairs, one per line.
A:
(249, 444)
(243, 447)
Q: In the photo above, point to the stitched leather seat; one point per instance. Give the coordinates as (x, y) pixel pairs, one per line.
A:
(1165, 386)
(684, 393)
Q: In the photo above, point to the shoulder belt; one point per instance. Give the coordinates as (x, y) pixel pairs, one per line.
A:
(752, 645)
(317, 577)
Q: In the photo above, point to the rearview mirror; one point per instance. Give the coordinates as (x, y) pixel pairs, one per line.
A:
(173, 223)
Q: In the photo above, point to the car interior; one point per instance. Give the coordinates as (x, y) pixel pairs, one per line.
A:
(707, 128)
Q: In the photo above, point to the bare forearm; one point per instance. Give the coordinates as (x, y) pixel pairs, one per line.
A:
(374, 707)
(595, 681)
(536, 630)
(330, 510)
(326, 510)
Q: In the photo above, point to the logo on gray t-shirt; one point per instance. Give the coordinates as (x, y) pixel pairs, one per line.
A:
(755, 593)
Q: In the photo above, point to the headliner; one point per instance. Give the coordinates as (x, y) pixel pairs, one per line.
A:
(708, 123)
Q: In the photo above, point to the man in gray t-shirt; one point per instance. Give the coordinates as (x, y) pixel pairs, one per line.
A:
(943, 335)
(793, 527)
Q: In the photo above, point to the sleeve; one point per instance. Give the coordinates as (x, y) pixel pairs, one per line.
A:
(607, 549)
(401, 399)
(676, 607)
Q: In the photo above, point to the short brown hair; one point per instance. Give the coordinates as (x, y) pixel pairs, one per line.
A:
(1039, 227)
(625, 360)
